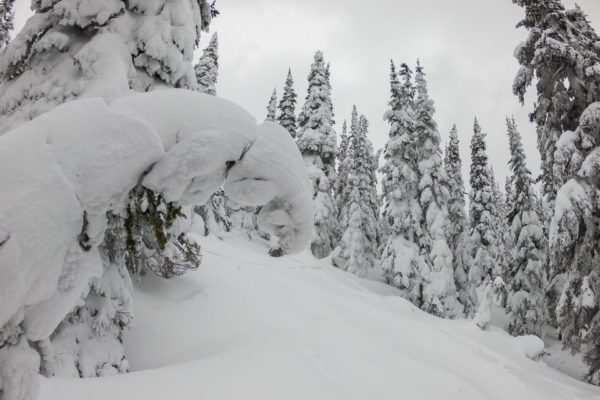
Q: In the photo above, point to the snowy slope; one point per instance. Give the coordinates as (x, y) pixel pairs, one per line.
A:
(254, 327)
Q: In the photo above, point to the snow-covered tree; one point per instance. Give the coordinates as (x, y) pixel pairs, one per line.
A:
(207, 69)
(417, 256)
(6, 21)
(216, 213)
(457, 216)
(86, 157)
(343, 148)
(525, 276)
(66, 51)
(560, 55)
(287, 106)
(501, 227)
(401, 256)
(357, 250)
(439, 290)
(575, 237)
(317, 142)
(483, 241)
(272, 107)
(344, 164)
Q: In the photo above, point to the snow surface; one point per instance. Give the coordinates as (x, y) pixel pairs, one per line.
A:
(249, 326)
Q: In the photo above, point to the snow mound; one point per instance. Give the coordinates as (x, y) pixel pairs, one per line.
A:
(248, 326)
(531, 346)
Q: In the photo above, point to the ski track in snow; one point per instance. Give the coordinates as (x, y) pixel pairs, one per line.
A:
(246, 325)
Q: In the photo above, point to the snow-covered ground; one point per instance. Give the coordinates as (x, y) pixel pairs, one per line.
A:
(248, 326)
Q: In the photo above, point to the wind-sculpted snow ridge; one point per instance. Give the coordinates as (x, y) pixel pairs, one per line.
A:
(62, 172)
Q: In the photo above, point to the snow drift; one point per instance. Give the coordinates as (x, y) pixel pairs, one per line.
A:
(248, 326)
(62, 172)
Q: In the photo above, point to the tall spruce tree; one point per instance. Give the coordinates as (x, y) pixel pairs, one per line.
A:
(65, 52)
(207, 69)
(272, 107)
(483, 241)
(525, 276)
(6, 21)
(400, 259)
(345, 164)
(287, 106)
(439, 289)
(561, 52)
(574, 240)
(457, 217)
(417, 256)
(357, 250)
(317, 142)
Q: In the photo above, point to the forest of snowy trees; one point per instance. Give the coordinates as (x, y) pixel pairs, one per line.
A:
(522, 258)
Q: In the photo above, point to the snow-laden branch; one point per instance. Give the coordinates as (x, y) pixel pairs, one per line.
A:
(63, 171)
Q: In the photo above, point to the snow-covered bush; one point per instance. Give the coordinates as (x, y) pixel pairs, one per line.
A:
(66, 173)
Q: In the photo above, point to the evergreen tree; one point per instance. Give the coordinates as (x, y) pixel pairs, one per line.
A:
(216, 212)
(345, 164)
(501, 227)
(64, 52)
(561, 52)
(287, 106)
(272, 107)
(357, 251)
(483, 241)
(207, 69)
(574, 241)
(417, 256)
(317, 142)
(328, 99)
(525, 276)
(400, 259)
(6, 21)
(439, 290)
(457, 217)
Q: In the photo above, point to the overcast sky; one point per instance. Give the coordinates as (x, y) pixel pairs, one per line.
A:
(466, 47)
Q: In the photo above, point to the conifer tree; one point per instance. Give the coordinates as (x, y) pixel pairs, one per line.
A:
(357, 250)
(216, 212)
(483, 239)
(439, 289)
(207, 69)
(287, 106)
(345, 163)
(501, 227)
(65, 52)
(400, 259)
(272, 107)
(417, 256)
(317, 142)
(525, 276)
(344, 143)
(457, 217)
(561, 52)
(6, 21)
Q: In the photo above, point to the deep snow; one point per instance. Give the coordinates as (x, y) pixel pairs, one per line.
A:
(246, 325)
